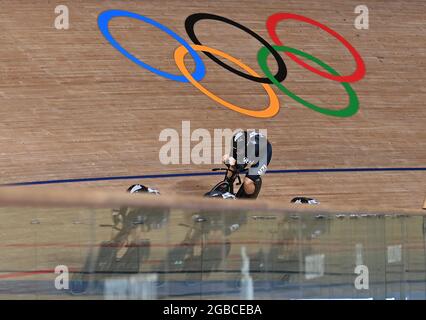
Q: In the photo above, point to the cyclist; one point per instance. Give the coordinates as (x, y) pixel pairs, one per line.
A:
(250, 151)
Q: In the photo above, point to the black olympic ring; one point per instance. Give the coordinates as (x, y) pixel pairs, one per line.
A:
(194, 18)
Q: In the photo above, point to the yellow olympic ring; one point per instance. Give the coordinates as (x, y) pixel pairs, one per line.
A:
(270, 111)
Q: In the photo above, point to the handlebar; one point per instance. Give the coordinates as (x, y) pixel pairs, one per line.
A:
(236, 173)
(225, 169)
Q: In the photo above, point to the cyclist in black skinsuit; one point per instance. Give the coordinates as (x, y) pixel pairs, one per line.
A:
(250, 151)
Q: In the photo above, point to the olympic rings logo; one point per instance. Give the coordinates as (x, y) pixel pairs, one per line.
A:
(277, 79)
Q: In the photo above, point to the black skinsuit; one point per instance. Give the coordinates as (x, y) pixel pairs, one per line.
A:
(253, 152)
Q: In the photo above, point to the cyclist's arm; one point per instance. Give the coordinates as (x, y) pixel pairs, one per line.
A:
(231, 163)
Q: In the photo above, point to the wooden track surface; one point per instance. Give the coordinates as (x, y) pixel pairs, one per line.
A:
(73, 107)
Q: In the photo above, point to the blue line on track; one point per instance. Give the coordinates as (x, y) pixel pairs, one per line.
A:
(199, 174)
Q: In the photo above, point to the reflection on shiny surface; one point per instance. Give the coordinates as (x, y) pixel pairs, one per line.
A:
(151, 253)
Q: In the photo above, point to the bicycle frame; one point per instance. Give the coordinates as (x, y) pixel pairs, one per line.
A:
(231, 179)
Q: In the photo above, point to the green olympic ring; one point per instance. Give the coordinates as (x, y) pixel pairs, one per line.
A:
(350, 110)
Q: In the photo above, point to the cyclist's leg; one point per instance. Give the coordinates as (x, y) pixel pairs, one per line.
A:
(252, 182)
(250, 188)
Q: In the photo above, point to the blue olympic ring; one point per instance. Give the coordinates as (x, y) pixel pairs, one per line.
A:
(105, 17)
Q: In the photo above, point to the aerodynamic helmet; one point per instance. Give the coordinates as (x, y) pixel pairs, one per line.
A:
(242, 141)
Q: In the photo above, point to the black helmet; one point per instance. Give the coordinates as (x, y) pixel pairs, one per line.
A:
(245, 138)
(137, 188)
(242, 141)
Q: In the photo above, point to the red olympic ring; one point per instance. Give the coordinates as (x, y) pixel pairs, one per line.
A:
(358, 74)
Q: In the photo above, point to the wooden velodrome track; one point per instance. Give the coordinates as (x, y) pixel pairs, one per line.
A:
(73, 107)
